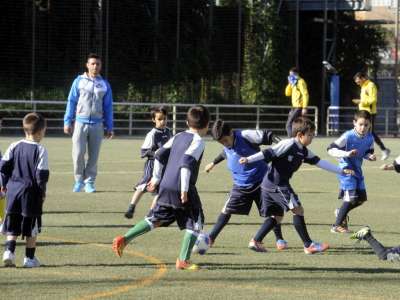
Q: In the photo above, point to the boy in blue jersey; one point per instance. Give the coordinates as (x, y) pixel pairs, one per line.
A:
(246, 178)
(154, 140)
(352, 147)
(24, 174)
(277, 195)
(176, 168)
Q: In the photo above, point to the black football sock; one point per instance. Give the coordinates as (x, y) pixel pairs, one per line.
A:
(378, 248)
(356, 204)
(266, 227)
(343, 211)
(10, 245)
(131, 208)
(30, 252)
(278, 232)
(301, 228)
(222, 220)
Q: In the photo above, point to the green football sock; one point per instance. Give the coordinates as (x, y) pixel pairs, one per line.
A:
(187, 244)
(140, 228)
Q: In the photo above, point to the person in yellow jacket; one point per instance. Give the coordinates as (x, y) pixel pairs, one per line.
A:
(368, 100)
(297, 90)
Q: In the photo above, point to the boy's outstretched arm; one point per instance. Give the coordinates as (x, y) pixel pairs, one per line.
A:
(252, 158)
(337, 148)
(327, 166)
(217, 160)
(260, 137)
(268, 154)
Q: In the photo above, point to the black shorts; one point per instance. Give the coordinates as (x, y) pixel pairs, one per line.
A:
(240, 200)
(277, 201)
(358, 196)
(16, 224)
(186, 218)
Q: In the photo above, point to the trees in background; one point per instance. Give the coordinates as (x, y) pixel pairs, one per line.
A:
(193, 53)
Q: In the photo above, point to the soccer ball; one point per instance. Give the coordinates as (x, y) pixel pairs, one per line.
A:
(202, 243)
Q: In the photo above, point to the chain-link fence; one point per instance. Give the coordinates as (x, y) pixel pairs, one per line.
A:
(147, 48)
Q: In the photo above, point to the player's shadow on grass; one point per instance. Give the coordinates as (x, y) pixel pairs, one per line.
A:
(92, 226)
(285, 267)
(80, 212)
(244, 266)
(214, 192)
(66, 243)
(377, 233)
(61, 243)
(314, 192)
(109, 265)
(221, 253)
(329, 225)
(227, 192)
(83, 212)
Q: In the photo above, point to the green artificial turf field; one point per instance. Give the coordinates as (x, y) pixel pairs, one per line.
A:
(75, 245)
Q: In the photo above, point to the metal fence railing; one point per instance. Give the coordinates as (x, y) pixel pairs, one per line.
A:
(340, 119)
(134, 118)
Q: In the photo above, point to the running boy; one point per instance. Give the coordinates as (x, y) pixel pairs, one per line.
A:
(276, 192)
(24, 174)
(157, 137)
(246, 178)
(352, 147)
(178, 199)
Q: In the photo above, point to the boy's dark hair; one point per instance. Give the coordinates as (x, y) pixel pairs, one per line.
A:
(33, 123)
(294, 70)
(220, 129)
(302, 125)
(198, 117)
(93, 55)
(360, 75)
(158, 109)
(362, 114)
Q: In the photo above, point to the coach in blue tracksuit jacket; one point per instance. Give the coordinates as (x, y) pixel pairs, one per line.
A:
(90, 107)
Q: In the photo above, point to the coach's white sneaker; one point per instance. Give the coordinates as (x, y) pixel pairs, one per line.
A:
(8, 259)
(31, 262)
(385, 154)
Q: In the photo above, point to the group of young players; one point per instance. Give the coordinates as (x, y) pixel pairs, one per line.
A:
(259, 175)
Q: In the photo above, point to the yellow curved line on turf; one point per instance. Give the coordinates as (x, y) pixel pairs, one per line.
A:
(161, 270)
